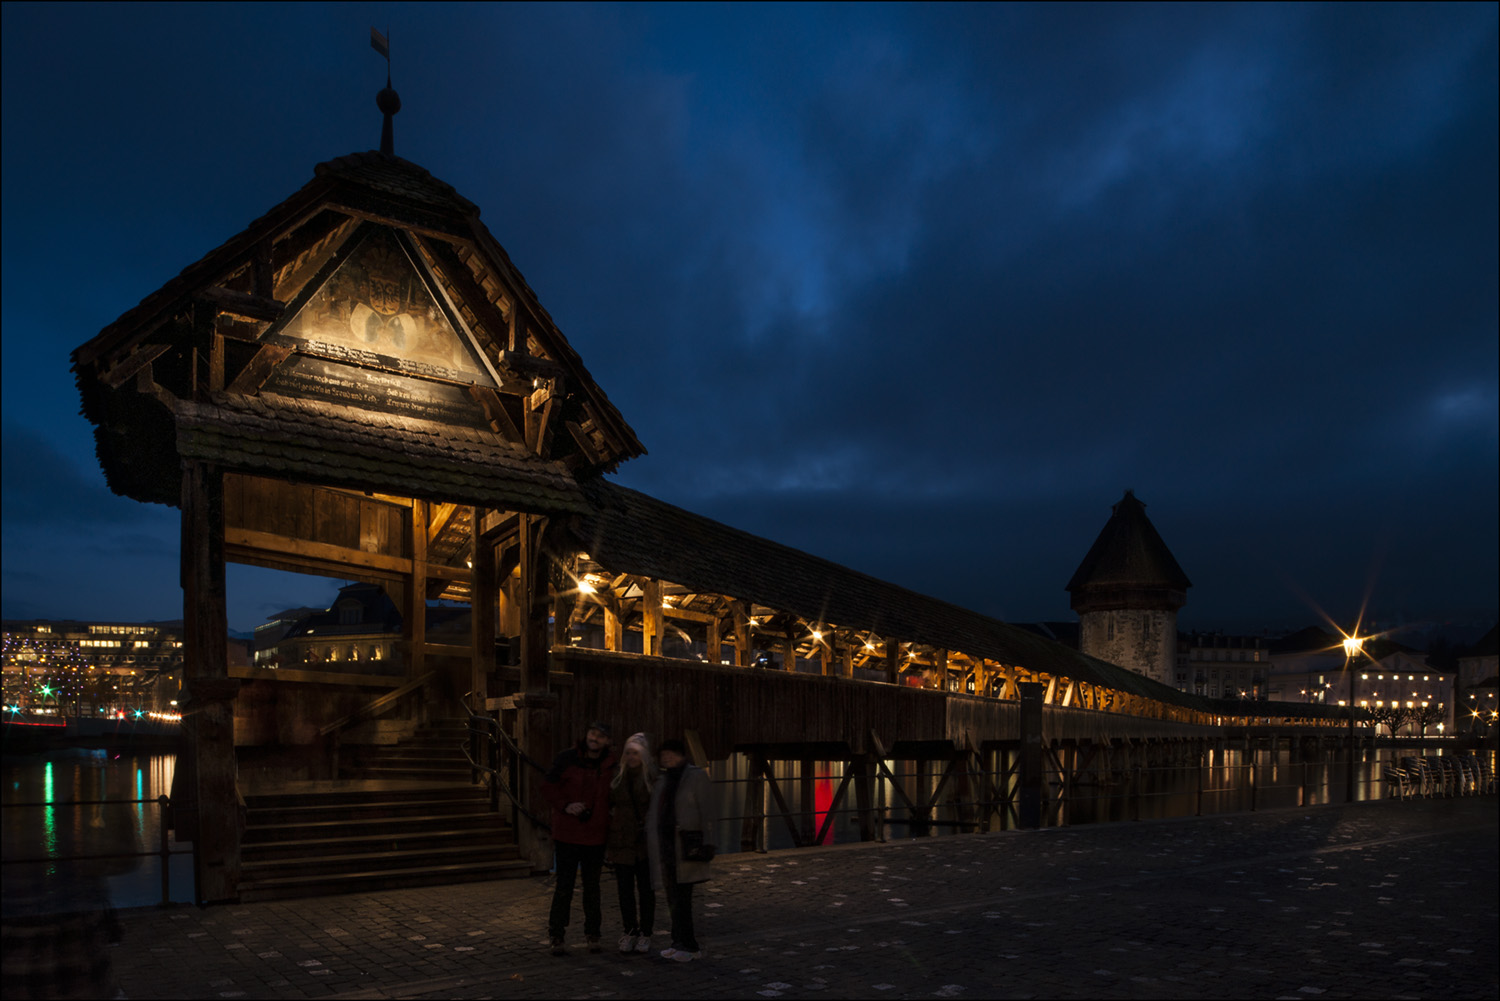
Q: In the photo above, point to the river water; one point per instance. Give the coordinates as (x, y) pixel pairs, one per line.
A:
(79, 811)
(1229, 781)
(91, 817)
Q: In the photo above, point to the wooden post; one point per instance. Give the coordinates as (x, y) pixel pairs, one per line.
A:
(414, 601)
(484, 609)
(715, 645)
(742, 650)
(536, 705)
(1069, 783)
(789, 652)
(892, 660)
(864, 796)
(210, 813)
(613, 635)
(651, 617)
(920, 818)
(807, 807)
(563, 604)
(1030, 791)
(753, 821)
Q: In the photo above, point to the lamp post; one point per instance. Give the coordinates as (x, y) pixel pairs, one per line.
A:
(1352, 647)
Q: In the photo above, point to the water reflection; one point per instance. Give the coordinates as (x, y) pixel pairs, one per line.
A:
(77, 802)
(1111, 789)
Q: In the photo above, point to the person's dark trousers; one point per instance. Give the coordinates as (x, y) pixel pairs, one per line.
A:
(680, 903)
(569, 858)
(633, 880)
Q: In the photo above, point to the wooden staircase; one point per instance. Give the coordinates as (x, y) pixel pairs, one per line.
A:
(402, 815)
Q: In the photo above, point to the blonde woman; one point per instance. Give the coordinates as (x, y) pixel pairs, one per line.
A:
(625, 849)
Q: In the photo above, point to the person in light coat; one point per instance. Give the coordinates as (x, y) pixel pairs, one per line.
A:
(681, 825)
(629, 806)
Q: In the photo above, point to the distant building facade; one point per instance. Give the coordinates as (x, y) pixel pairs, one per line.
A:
(75, 667)
(1127, 592)
(1220, 666)
(1308, 666)
(360, 633)
(1479, 681)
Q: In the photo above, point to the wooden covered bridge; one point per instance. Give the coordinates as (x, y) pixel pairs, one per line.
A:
(361, 385)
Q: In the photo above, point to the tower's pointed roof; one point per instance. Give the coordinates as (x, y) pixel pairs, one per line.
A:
(1129, 553)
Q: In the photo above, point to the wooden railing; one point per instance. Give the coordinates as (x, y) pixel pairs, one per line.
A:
(375, 705)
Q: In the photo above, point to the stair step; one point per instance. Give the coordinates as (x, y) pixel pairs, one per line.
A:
(314, 813)
(388, 860)
(312, 848)
(426, 823)
(258, 833)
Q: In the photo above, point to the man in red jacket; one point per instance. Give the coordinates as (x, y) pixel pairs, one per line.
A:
(577, 787)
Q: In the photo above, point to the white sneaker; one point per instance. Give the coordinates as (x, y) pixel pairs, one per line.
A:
(627, 943)
(643, 944)
(683, 956)
(668, 953)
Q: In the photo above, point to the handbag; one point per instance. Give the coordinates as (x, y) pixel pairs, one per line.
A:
(693, 848)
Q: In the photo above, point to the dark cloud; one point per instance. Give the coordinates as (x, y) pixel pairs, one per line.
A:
(921, 289)
(44, 488)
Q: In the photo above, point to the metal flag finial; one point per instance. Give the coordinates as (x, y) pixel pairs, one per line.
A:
(388, 101)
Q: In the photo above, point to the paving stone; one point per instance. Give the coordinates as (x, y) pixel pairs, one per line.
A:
(1157, 909)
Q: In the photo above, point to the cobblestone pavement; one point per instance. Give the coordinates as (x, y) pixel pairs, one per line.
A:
(1387, 899)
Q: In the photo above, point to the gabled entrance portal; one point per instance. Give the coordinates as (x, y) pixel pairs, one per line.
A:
(360, 385)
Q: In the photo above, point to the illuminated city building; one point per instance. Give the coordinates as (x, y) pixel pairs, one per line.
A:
(74, 667)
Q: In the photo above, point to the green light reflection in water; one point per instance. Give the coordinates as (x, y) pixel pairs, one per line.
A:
(49, 818)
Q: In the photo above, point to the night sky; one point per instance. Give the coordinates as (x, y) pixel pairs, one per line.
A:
(921, 290)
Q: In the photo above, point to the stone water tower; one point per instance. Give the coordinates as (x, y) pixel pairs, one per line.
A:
(1127, 592)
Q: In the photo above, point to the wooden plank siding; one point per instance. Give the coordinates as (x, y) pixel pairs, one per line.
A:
(734, 708)
(316, 514)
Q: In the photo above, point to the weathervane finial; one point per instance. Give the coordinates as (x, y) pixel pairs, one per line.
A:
(388, 101)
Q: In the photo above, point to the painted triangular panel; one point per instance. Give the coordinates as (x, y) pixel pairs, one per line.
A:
(376, 310)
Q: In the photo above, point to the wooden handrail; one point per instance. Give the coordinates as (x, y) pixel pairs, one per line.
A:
(375, 705)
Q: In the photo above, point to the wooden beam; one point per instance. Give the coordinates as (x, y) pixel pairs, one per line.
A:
(833, 807)
(528, 365)
(496, 414)
(259, 369)
(673, 612)
(246, 543)
(781, 803)
(115, 375)
(539, 421)
(216, 362)
(584, 442)
(441, 513)
(251, 307)
(878, 756)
